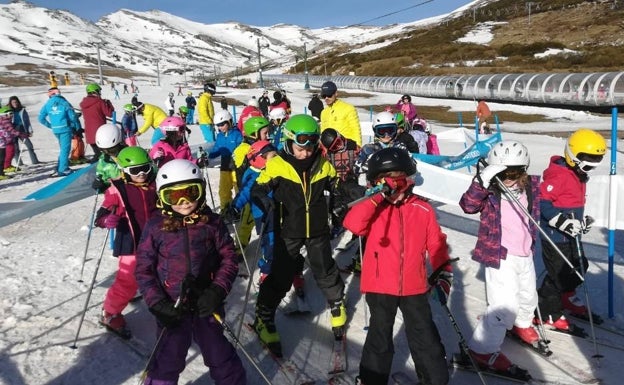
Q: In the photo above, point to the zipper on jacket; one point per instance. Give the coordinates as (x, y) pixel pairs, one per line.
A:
(376, 265)
(401, 254)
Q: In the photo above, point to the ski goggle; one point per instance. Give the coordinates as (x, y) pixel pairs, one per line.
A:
(385, 130)
(304, 140)
(587, 162)
(140, 170)
(176, 194)
(337, 145)
(512, 173)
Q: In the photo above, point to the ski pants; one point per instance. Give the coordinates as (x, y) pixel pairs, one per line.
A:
(64, 139)
(423, 339)
(286, 257)
(226, 186)
(219, 355)
(189, 116)
(8, 155)
(560, 278)
(511, 300)
(156, 136)
(26, 142)
(245, 226)
(208, 132)
(124, 286)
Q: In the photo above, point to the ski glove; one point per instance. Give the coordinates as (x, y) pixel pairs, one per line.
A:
(202, 162)
(231, 213)
(569, 226)
(111, 221)
(485, 176)
(442, 287)
(587, 223)
(99, 185)
(166, 313)
(210, 300)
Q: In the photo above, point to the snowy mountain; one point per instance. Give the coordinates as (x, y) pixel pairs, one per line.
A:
(134, 41)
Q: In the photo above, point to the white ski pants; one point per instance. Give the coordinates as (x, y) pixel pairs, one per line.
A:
(511, 298)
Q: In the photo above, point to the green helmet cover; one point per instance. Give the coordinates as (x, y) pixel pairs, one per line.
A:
(254, 124)
(184, 109)
(129, 107)
(5, 110)
(93, 87)
(301, 124)
(400, 119)
(132, 156)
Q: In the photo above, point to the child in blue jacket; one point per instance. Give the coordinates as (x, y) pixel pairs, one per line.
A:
(227, 141)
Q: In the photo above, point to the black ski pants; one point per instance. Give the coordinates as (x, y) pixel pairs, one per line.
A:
(286, 264)
(560, 278)
(423, 340)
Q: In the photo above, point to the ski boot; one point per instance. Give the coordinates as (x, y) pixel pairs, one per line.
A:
(527, 335)
(499, 364)
(298, 283)
(115, 323)
(338, 318)
(264, 326)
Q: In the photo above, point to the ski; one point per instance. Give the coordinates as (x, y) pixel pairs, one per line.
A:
(606, 326)
(400, 378)
(338, 359)
(288, 367)
(340, 379)
(585, 337)
(516, 374)
(568, 368)
(585, 317)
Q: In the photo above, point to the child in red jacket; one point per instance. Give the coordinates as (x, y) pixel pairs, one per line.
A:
(384, 219)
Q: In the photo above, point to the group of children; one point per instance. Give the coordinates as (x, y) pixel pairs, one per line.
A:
(276, 174)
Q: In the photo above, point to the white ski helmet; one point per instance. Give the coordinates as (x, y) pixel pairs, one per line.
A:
(277, 113)
(107, 136)
(253, 102)
(222, 116)
(509, 153)
(177, 171)
(384, 117)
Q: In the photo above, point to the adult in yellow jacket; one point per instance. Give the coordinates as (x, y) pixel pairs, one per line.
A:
(339, 115)
(205, 110)
(152, 117)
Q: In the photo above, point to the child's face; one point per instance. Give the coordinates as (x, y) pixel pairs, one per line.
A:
(185, 208)
(302, 152)
(386, 139)
(223, 127)
(263, 134)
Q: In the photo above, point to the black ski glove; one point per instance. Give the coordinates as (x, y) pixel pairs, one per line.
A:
(99, 185)
(166, 313)
(210, 300)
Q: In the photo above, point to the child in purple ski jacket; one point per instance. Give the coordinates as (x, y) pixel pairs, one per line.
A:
(186, 264)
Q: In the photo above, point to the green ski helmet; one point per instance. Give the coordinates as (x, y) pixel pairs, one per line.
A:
(6, 110)
(253, 125)
(183, 109)
(129, 107)
(400, 119)
(132, 156)
(303, 130)
(93, 88)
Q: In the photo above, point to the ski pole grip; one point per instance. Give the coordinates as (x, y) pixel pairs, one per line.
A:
(434, 276)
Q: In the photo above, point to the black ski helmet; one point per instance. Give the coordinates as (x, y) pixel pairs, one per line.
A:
(329, 136)
(390, 159)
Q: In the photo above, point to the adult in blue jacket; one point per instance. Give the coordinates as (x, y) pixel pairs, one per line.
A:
(59, 116)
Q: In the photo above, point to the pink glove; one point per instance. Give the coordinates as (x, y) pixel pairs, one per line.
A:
(159, 154)
(111, 221)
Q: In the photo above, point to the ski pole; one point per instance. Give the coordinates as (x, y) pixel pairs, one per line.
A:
(91, 223)
(242, 249)
(239, 346)
(462, 341)
(513, 198)
(21, 151)
(95, 272)
(184, 289)
(257, 257)
(207, 179)
(366, 325)
(577, 240)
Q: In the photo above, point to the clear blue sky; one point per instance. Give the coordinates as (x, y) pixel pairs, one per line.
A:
(307, 13)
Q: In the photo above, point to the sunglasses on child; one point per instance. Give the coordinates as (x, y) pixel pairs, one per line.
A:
(512, 173)
(337, 145)
(385, 130)
(588, 162)
(306, 139)
(221, 124)
(140, 170)
(177, 194)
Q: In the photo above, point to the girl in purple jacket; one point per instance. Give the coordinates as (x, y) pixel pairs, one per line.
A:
(505, 246)
(186, 264)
